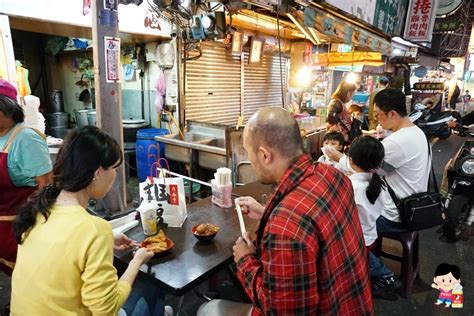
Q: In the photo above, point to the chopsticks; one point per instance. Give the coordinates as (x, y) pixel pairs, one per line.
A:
(223, 176)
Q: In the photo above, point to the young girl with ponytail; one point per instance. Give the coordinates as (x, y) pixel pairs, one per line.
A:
(365, 157)
(65, 255)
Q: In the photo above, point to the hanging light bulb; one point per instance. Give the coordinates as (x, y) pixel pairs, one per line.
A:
(206, 21)
(351, 78)
(304, 76)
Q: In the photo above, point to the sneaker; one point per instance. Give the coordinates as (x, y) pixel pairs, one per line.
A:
(384, 294)
(390, 283)
(168, 310)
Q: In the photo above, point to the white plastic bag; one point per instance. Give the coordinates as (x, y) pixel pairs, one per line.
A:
(168, 195)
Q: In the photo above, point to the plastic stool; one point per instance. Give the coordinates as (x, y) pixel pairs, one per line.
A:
(410, 269)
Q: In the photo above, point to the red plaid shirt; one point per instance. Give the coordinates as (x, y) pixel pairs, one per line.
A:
(311, 258)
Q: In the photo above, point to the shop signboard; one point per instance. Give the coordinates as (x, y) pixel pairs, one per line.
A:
(470, 47)
(447, 6)
(77, 13)
(362, 9)
(420, 20)
(340, 31)
(446, 25)
(390, 16)
(471, 62)
(422, 86)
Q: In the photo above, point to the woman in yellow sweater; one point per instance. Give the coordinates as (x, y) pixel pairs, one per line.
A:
(65, 255)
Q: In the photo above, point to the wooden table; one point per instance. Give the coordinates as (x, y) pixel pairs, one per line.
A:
(190, 262)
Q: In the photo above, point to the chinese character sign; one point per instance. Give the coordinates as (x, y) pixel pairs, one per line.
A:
(420, 20)
(112, 59)
(167, 197)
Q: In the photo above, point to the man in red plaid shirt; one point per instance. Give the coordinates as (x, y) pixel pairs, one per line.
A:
(310, 257)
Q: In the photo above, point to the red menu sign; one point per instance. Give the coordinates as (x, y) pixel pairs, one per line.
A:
(420, 20)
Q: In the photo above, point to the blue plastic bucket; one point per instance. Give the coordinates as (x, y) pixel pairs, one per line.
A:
(147, 150)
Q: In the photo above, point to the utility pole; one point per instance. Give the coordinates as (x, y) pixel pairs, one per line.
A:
(108, 90)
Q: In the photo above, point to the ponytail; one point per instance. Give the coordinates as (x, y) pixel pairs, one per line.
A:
(38, 203)
(375, 186)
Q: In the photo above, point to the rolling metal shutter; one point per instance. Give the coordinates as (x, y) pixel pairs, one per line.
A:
(262, 86)
(212, 86)
(220, 87)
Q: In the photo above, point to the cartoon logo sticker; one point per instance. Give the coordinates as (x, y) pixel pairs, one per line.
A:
(447, 280)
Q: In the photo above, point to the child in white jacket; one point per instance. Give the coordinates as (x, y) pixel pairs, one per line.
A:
(334, 140)
(365, 157)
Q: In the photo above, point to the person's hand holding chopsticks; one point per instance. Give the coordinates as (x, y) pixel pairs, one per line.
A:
(243, 246)
(250, 207)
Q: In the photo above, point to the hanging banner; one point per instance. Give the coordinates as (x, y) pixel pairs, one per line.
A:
(420, 20)
(112, 59)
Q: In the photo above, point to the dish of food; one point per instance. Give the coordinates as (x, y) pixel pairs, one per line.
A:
(205, 231)
(158, 243)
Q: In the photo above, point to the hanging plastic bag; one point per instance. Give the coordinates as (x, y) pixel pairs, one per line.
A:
(167, 193)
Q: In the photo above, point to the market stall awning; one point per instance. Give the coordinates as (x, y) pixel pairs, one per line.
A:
(348, 59)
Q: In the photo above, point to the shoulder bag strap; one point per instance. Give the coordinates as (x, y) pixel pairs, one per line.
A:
(392, 193)
(430, 161)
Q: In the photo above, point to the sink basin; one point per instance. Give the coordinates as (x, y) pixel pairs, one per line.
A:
(192, 137)
(177, 149)
(212, 158)
(216, 142)
(211, 151)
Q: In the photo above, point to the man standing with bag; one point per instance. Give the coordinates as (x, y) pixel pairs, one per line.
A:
(309, 257)
(407, 167)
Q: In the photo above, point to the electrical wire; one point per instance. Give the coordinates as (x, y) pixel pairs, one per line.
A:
(279, 54)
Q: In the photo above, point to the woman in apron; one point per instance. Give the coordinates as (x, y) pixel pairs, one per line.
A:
(24, 166)
(339, 119)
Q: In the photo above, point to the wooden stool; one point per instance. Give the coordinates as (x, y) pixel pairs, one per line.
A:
(410, 269)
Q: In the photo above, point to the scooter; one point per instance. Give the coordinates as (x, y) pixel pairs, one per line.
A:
(433, 124)
(460, 200)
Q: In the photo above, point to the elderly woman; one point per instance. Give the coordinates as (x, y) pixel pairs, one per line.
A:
(24, 166)
(339, 119)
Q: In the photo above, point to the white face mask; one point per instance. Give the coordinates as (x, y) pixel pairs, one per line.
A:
(349, 166)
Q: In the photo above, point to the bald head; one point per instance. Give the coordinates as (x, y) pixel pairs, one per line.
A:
(275, 128)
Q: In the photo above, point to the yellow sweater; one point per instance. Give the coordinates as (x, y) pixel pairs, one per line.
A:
(65, 267)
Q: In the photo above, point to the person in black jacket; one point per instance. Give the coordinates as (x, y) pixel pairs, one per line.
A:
(466, 120)
(454, 97)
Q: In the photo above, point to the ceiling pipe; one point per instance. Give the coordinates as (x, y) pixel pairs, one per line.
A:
(302, 29)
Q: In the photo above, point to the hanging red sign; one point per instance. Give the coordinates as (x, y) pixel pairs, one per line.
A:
(420, 20)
